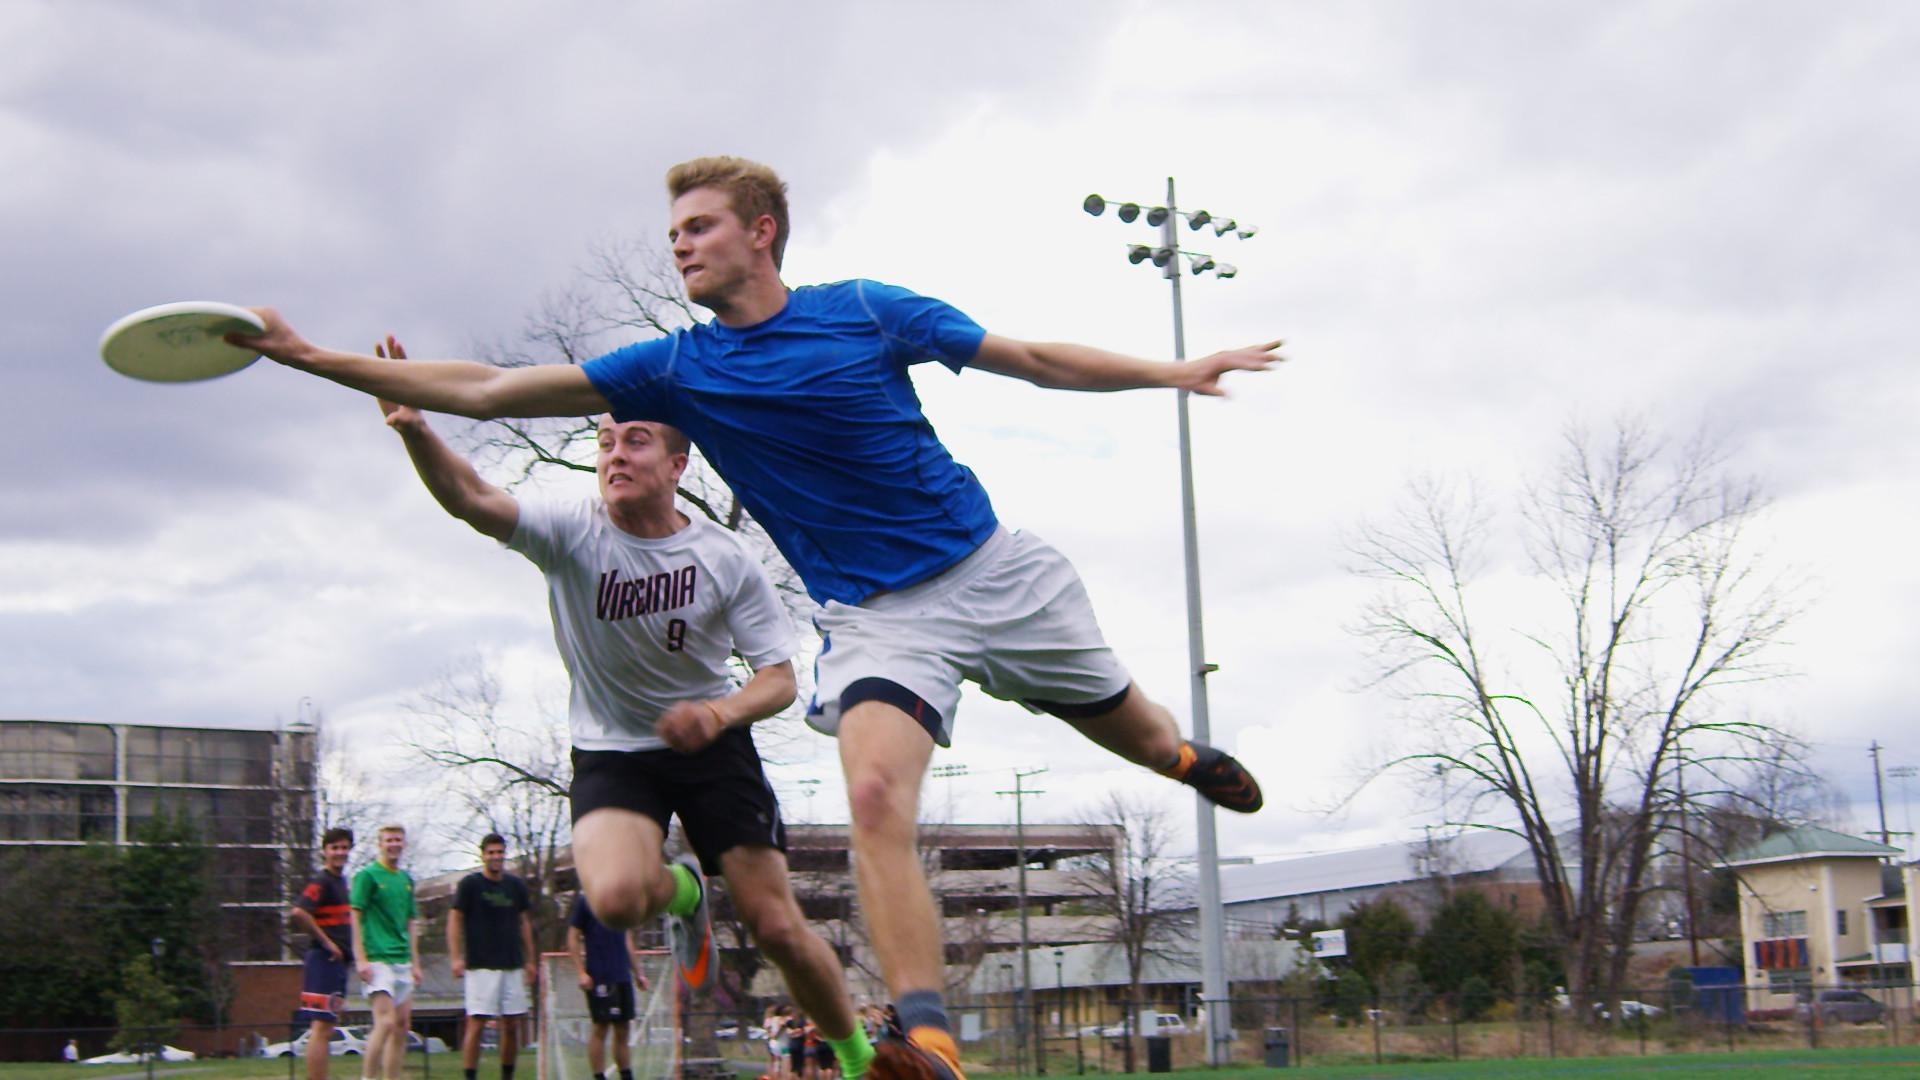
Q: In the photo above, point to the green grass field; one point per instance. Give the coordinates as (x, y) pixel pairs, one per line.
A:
(1875, 1063)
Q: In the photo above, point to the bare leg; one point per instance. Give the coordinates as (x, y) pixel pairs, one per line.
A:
(763, 896)
(1136, 729)
(884, 754)
(597, 1048)
(470, 1042)
(622, 1050)
(373, 1060)
(622, 871)
(510, 1039)
(397, 1040)
(318, 1035)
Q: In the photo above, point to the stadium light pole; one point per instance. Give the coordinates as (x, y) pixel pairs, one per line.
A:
(1167, 256)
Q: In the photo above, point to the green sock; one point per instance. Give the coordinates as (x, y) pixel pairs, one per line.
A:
(854, 1052)
(686, 891)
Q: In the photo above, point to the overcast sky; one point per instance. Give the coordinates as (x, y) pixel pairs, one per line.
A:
(1478, 223)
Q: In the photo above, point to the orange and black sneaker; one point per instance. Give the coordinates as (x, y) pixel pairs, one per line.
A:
(694, 951)
(1218, 776)
(924, 1053)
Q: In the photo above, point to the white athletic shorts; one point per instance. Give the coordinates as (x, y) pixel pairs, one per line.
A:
(496, 992)
(1012, 617)
(394, 980)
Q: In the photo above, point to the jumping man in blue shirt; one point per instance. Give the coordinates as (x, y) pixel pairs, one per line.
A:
(801, 400)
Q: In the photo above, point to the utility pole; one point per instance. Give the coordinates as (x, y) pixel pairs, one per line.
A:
(1686, 850)
(1023, 995)
(1879, 796)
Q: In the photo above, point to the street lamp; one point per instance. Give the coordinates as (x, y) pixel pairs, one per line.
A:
(1213, 955)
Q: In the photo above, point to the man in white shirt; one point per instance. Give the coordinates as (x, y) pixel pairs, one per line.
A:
(648, 604)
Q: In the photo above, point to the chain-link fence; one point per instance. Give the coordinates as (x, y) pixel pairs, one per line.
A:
(1282, 1032)
(1271, 1031)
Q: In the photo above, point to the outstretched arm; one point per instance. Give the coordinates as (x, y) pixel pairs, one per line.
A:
(460, 387)
(452, 479)
(687, 726)
(1063, 366)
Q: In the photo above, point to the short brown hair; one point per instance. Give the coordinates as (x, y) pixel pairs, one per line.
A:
(751, 188)
(335, 835)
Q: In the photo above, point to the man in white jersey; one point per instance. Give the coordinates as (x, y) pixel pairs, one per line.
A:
(648, 604)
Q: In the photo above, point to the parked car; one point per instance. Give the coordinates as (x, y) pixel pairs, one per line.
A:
(1162, 1024)
(432, 1044)
(165, 1053)
(345, 1040)
(1843, 1006)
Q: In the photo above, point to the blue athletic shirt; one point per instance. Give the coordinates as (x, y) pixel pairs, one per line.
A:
(810, 417)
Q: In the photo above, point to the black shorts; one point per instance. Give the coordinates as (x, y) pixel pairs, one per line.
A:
(323, 986)
(610, 1003)
(720, 794)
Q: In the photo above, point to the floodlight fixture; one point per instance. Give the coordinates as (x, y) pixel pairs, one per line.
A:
(1094, 205)
(1223, 226)
(1225, 270)
(1198, 218)
(1162, 256)
(1128, 212)
(1200, 264)
(1157, 216)
(1245, 232)
(1138, 253)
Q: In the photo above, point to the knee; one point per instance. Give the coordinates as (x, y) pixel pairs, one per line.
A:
(880, 804)
(622, 902)
(778, 929)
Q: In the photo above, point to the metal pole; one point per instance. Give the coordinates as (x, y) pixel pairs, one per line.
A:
(1213, 956)
(1023, 1025)
(1879, 796)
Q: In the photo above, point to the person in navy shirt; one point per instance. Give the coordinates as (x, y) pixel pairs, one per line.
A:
(801, 400)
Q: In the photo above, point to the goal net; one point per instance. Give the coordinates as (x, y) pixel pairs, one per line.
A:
(653, 1036)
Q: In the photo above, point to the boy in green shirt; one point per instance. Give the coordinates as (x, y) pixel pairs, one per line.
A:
(384, 934)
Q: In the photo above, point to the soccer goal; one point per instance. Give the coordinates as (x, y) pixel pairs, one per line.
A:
(654, 1034)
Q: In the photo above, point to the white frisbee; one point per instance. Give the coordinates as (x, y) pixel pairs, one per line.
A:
(181, 342)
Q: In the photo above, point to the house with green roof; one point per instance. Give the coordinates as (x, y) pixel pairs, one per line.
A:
(1820, 908)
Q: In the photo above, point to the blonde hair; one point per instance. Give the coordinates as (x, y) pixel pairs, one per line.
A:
(385, 829)
(751, 188)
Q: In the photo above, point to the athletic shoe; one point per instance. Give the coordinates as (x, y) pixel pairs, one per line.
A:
(692, 934)
(926, 1053)
(1216, 775)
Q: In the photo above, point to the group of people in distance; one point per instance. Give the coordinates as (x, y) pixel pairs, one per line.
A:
(372, 926)
(801, 400)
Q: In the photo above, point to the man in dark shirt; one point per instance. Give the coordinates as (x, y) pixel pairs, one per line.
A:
(490, 939)
(605, 960)
(321, 911)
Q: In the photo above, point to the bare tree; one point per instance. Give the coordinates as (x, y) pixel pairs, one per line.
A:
(1655, 602)
(508, 775)
(1140, 895)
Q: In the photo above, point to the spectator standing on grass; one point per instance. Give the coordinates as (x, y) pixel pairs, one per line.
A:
(608, 967)
(490, 941)
(386, 929)
(324, 912)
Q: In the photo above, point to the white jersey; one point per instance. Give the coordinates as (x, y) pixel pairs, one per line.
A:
(643, 624)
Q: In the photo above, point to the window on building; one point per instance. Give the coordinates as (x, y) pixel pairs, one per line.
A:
(1789, 980)
(1781, 924)
(47, 751)
(1840, 921)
